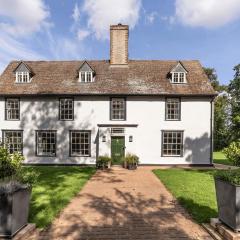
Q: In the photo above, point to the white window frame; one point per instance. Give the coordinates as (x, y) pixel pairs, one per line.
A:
(12, 109)
(22, 77)
(121, 112)
(15, 142)
(174, 145)
(47, 136)
(178, 74)
(173, 109)
(86, 75)
(83, 143)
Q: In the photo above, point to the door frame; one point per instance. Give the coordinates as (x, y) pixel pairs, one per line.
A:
(118, 136)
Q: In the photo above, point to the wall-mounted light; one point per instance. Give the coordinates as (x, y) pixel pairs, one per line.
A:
(103, 138)
(130, 138)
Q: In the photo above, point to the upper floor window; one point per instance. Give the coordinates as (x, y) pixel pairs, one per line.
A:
(86, 76)
(178, 74)
(46, 143)
(118, 109)
(12, 109)
(173, 109)
(13, 140)
(66, 109)
(22, 77)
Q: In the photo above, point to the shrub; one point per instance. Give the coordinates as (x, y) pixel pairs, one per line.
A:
(103, 161)
(231, 176)
(232, 153)
(12, 170)
(131, 159)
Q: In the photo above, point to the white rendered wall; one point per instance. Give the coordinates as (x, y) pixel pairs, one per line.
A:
(147, 112)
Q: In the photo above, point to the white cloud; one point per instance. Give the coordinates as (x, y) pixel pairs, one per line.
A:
(207, 13)
(150, 18)
(76, 13)
(82, 34)
(23, 17)
(102, 13)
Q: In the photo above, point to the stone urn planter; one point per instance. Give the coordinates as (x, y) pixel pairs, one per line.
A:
(228, 202)
(14, 208)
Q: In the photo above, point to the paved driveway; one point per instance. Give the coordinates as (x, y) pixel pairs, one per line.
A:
(123, 204)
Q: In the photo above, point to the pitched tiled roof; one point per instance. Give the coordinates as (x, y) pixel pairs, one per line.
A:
(138, 78)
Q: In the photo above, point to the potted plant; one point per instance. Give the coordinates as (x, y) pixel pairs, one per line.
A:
(227, 184)
(15, 192)
(103, 162)
(131, 161)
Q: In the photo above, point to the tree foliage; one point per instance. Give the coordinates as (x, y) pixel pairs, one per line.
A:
(221, 126)
(234, 91)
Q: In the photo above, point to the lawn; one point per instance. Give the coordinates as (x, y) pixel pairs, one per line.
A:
(194, 189)
(219, 157)
(55, 187)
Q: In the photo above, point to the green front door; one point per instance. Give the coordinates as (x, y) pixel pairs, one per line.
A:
(117, 149)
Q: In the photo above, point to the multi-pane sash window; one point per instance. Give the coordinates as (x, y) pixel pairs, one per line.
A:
(66, 109)
(173, 109)
(172, 143)
(12, 109)
(86, 76)
(22, 77)
(46, 143)
(80, 143)
(178, 77)
(13, 140)
(118, 109)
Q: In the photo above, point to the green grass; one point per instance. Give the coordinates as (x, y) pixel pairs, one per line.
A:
(194, 189)
(54, 189)
(219, 157)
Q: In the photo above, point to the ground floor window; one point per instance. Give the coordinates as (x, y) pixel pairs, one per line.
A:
(80, 143)
(13, 140)
(172, 143)
(46, 143)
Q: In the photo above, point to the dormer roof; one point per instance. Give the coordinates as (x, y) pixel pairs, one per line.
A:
(85, 67)
(179, 68)
(22, 67)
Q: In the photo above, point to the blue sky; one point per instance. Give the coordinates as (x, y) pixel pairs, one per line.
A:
(159, 29)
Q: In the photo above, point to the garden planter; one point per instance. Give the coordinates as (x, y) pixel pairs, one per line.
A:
(228, 201)
(14, 209)
(132, 166)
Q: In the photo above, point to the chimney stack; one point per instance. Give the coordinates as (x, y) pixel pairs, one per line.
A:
(119, 44)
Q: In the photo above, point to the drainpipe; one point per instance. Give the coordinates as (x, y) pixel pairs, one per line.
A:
(211, 130)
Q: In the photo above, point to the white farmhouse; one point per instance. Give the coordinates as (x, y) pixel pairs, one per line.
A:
(71, 112)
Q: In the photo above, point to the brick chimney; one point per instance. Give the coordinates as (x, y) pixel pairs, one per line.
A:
(119, 44)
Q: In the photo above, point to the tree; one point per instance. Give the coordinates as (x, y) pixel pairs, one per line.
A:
(234, 91)
(221, 122)
(213, 78)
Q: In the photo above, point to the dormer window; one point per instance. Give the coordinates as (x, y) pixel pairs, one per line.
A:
(22, 77)
(86, 76)
(86, 73)
(178, 77)
(178, 74)
(23, 73)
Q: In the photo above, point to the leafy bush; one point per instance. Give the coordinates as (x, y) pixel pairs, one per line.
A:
(103, 161)
(131, 159)
(12, 170)
(232, 153)
(231, 176)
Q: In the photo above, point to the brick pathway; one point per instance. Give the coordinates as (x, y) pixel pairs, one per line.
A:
(122, 204)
